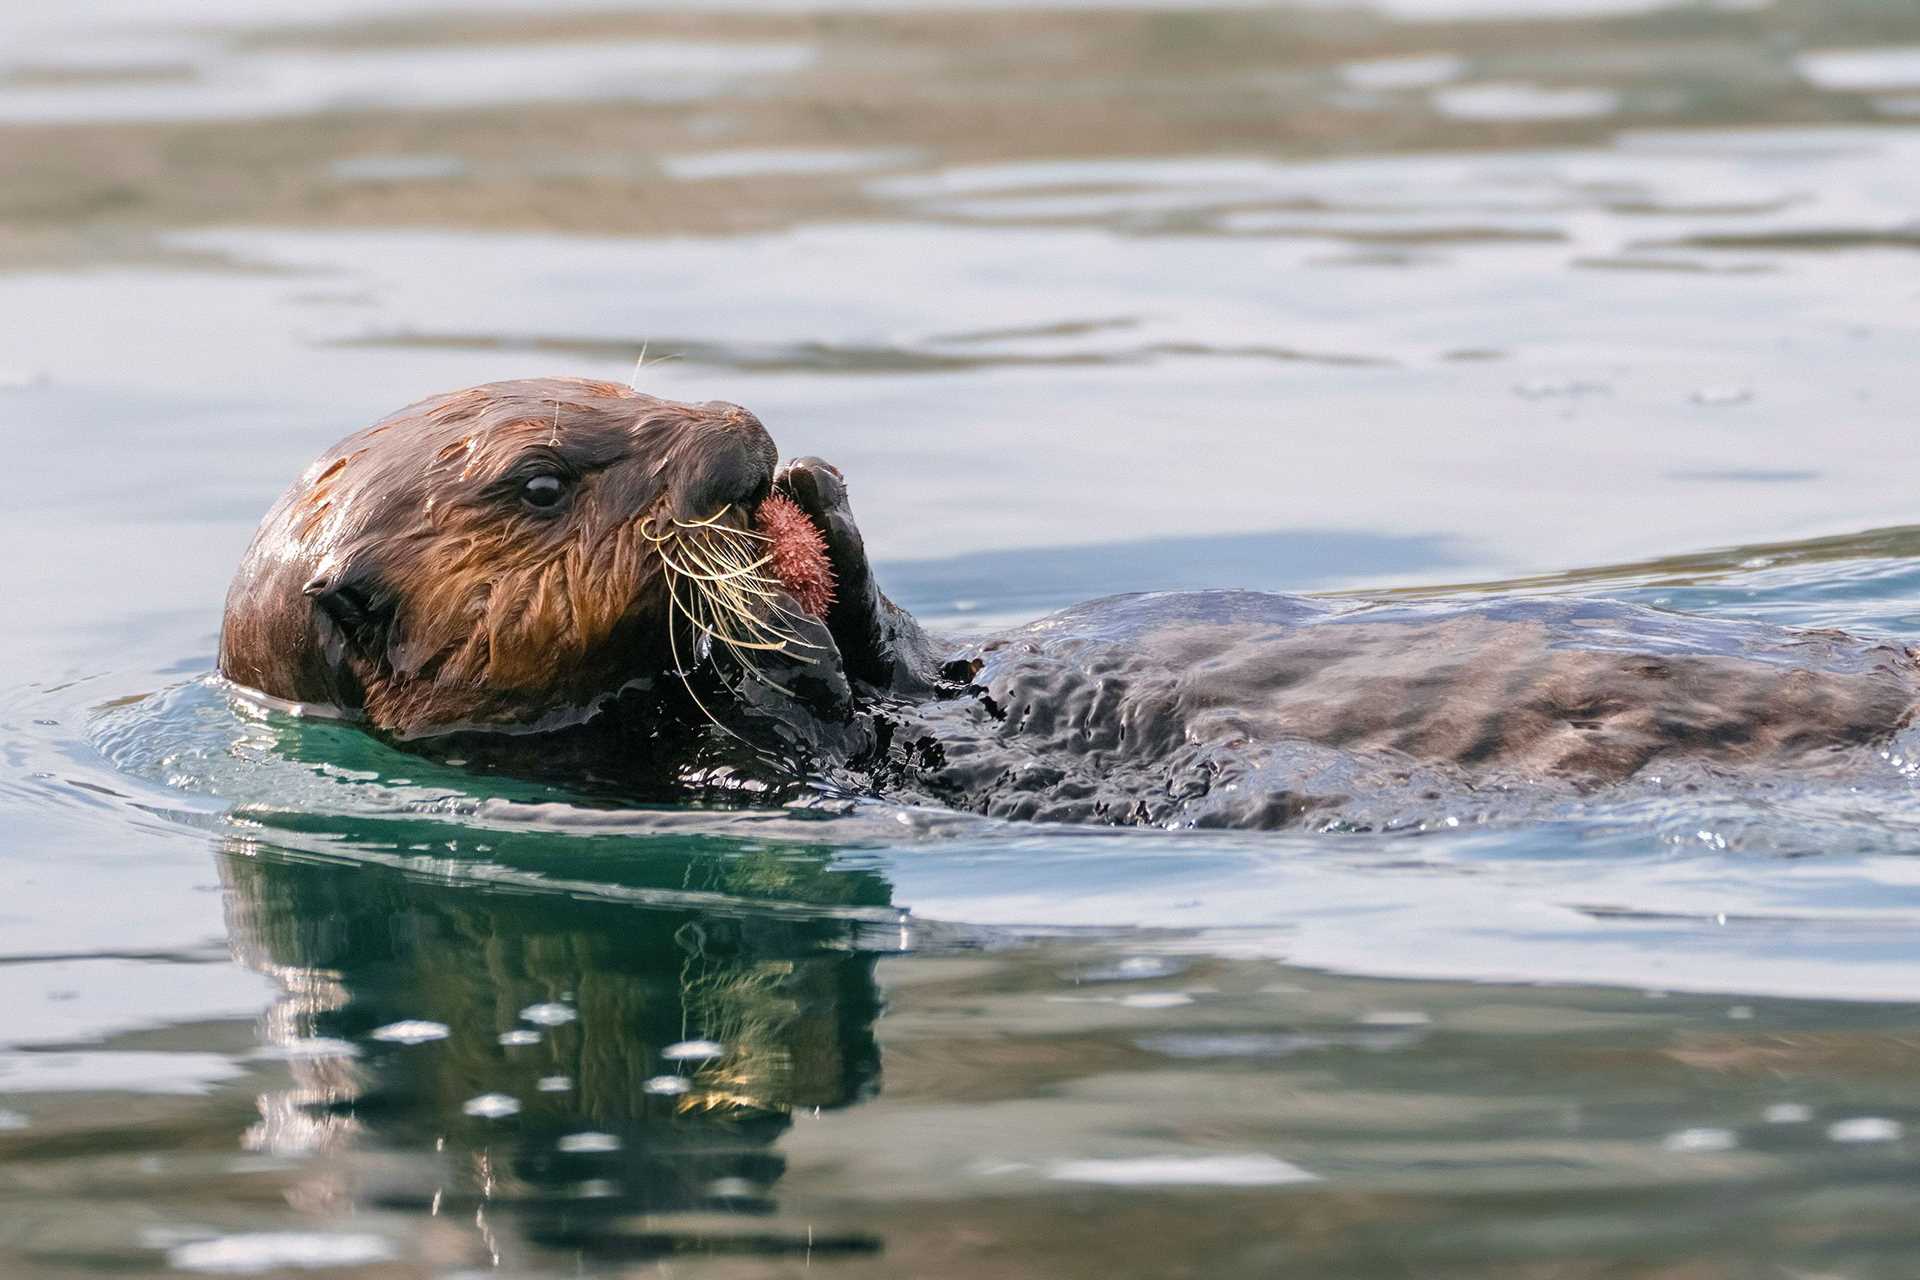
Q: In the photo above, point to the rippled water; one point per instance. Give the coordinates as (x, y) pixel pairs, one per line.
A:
(1614, 299)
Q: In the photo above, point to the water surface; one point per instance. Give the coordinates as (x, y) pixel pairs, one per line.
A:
(1596, 298)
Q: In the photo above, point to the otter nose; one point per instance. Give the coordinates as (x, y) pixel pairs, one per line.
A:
(732, 465)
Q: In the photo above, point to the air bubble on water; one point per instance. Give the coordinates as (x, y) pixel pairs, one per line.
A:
(491, 1106)
(1156, 1000)
(551, 1014)
(575, 1144)
(1559, 389)
(307, 1050)
(511, 1038)
(1225, 1170)
(414, 1031)
(667, 1086)
(1701, 1140)
(1866, 1129)
(1787, 1113)
(279, 1251)
(693, 1050)
(554, 1084)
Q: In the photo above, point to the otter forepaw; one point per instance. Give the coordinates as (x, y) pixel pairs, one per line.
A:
(882, 645)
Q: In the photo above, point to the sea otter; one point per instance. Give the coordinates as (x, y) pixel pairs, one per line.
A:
(568, 577)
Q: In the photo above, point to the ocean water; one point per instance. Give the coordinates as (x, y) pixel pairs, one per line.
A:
(1615, 299)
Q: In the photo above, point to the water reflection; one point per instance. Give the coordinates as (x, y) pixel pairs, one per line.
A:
(557, 1068)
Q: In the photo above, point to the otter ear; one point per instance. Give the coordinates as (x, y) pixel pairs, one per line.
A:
(353, 597)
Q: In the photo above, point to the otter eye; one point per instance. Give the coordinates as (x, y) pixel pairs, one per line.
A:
(544, 491)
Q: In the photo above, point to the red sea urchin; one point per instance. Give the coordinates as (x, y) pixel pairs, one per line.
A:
(797, 552)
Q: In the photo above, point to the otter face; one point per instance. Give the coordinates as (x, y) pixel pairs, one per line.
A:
(500, 558)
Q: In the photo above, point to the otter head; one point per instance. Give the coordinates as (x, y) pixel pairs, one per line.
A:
(507, 557)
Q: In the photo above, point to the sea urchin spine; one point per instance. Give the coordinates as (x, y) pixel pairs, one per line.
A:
(797, 553)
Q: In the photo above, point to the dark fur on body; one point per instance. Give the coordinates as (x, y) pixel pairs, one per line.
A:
(1241, 709)
(398, 581)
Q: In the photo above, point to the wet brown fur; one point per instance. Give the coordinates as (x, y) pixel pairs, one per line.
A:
(401, 577)
(405, 577)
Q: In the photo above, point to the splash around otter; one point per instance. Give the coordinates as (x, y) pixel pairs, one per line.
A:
(567, 576)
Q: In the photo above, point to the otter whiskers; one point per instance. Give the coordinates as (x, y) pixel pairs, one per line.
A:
(718, 587)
